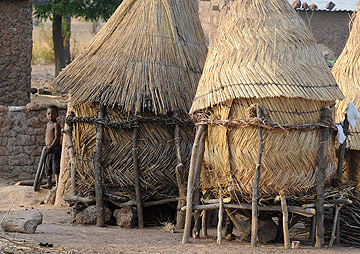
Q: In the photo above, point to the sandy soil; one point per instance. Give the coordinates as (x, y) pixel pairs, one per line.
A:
(56, 229)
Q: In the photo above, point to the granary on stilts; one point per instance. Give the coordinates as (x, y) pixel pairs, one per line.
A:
(131, 89)
(347, 74)
(260, 102)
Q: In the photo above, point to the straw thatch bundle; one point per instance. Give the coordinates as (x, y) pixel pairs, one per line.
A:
(347, 74)
(144, 64)
(264, 55)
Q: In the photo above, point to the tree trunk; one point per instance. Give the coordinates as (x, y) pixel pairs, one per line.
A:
(58, 40)
(67, 35)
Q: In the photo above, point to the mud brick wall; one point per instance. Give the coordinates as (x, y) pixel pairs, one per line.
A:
(330, 28)
(22, 136)
(15, 48)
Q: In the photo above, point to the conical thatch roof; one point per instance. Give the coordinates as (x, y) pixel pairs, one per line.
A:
(149, 55)
(264, 49)
(347, 73)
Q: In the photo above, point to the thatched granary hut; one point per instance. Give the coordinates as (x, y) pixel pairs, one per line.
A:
(347, 74)
(142, 68)
(265, 55)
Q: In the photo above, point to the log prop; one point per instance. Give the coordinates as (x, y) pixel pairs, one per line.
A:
(22, 223)
(40, 170)
(285, 220)
(255, 184)
(320, 188)
(190, 186)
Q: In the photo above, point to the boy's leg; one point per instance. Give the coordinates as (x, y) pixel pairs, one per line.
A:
(49, 182)
(57, 180)
(49, 170)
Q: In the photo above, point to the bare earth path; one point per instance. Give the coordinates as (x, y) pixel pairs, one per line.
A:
(80, 239)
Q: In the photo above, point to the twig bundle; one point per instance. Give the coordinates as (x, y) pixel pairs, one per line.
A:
(264, 56)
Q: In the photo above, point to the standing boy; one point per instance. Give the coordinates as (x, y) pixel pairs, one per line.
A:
(52, 141)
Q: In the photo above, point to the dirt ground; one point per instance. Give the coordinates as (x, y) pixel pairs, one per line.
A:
(68, 238)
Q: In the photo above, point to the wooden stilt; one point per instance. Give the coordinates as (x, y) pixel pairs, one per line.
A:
(204, 224)
(255, 185)
(190, 186)
(285, 220)
(326, 115)
(100, 206)
(139, 208)
(235, 221)
(338, 177)
(199, 160)
(338, 232)
(180, 215)
(219, 226)
(336, 219)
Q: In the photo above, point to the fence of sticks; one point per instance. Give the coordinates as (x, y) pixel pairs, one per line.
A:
(265, 115)
(347, 74)
(131, 89)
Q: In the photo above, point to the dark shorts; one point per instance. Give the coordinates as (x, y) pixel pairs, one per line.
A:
(52, 162)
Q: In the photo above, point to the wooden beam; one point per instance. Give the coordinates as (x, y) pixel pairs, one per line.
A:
(320, 188)
(255, 184)
(100, 206)
(190, 186)
(139, 208)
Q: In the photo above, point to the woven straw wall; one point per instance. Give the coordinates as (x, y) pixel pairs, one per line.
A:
(156, 155)
(289, 160)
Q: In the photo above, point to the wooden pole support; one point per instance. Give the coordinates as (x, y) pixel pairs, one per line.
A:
(285, 220)
(338, 177)
(236, 222)
(221, 213)
(179, 171)
(199, 160)
(100, 206)
(139, 208)
(336, 219)
(320, 188)
(67, 132)
(204, 224)
(190, 186)
(255, 184)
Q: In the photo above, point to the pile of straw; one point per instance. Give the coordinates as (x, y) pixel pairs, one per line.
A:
(146, 61)
(264, 54)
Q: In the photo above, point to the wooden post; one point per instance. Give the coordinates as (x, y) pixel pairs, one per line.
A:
(336, 218)
(180, 215)
(199, 160)
(67, 132)
(320, 231)
(338, 233)
(190, 186)
(338, 177)
(100, 207)
(139, 209)
(313, 230)
(204, 224)
(255, 185)
(221, 212)
(285, 220)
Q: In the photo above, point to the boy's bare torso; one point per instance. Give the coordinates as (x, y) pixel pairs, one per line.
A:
(50, 138)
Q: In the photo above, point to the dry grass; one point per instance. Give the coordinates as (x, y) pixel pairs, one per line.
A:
(149, 56)
(347, 74)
